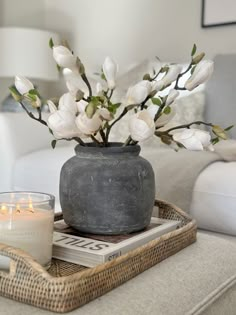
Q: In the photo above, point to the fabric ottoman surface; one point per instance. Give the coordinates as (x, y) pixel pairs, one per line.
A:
(200, 279)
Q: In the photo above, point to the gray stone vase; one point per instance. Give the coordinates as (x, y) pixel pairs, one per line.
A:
(107, 190)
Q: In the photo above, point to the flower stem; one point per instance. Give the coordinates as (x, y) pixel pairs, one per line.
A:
(103, 137)
(199, 122)
(96, 141)
(128, 141)
(86, 81)
(31, 115)
(176, 87)
(125, 111)
(79, 140)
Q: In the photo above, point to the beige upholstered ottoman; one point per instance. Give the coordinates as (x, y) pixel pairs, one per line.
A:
(200, 279)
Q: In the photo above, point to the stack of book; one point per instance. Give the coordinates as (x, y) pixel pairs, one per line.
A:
(91, 250)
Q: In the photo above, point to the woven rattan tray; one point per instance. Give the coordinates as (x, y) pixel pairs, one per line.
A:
(68, 286)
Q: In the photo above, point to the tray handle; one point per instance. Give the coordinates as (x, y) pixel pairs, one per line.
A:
(20, 261)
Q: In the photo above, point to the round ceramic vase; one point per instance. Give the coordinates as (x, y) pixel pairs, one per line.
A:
(107, 190)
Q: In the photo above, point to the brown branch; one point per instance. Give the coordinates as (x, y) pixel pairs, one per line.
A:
(86, 81)
(31, 115)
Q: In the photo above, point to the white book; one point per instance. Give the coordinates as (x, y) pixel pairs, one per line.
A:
(91, 250)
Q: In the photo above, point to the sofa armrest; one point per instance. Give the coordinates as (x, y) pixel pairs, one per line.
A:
(19, 135)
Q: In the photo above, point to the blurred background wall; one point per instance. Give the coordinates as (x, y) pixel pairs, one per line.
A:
(128, 30)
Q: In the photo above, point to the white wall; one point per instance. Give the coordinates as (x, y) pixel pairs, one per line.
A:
(131, 30)
(23, 13)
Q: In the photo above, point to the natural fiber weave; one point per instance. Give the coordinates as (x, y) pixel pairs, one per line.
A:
(67, 286)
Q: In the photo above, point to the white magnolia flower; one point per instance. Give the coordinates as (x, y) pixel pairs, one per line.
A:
(52, 107)
(99, 89)
(73, 81)
(141, 126)
(172, 74)
(194, 139)
(157, 85)
(110, 69)
(23, 85)
(37, 102)
(163, 119)
(201, 74)
(105, 114)
(67, 102)
(138, 93)
(88, 126)
(81, 106)
(173, 94)
(64, 57)
(62, 124)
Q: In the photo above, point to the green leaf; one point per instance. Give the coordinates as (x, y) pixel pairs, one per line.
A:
(113, 107)
(51, 44)
(79, 95)
(15, 94)
(32, 97)
(147, 77)
(215, 140)
(166, 139)
(167, 110)
(58, 68)
(34, 92)
(194, 49)
(80, 66)
(53, 143)
(103, 76)
(192, 70)
(228, 128)
(164, 69)
(156, 101)
(95, 100)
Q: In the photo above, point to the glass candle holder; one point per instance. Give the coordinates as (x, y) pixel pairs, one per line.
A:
(26, 222)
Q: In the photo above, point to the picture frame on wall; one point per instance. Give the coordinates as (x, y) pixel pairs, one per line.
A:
(218, 12)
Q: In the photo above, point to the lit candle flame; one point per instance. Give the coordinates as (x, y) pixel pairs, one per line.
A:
(3, 209)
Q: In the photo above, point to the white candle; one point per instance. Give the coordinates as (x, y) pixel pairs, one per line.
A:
(30, 229)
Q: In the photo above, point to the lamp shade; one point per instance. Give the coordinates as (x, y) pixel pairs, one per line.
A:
(26, 52)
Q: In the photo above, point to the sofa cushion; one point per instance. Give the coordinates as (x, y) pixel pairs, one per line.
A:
(40, 170)
(200, 279)
(214, 198)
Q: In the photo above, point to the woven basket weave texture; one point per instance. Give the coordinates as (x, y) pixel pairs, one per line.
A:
(66, 286)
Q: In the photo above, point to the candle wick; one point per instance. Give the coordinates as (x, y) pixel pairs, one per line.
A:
(18, 208)
(31, 208)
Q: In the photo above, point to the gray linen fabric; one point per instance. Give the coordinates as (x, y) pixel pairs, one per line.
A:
(190, 282)
(176, 172)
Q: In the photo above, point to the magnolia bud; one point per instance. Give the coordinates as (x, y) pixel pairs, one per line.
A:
(23, 85)
(198, 58)
(90, 109)
(64, 57)
(110, 69)
(219, 132)
(15, 94)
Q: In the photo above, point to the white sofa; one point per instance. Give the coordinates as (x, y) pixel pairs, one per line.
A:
(27, 161)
